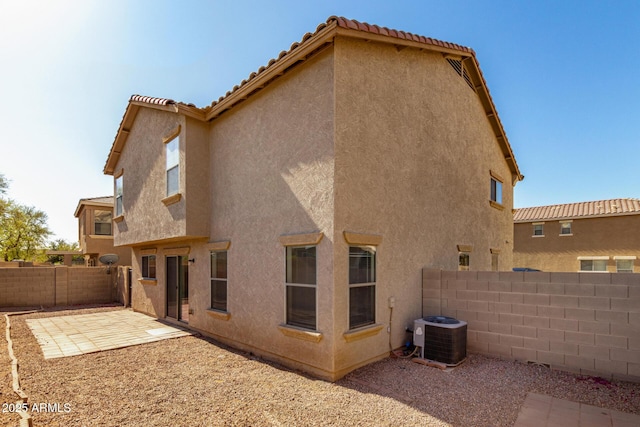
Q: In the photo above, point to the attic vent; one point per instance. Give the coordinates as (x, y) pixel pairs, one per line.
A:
(457, 65)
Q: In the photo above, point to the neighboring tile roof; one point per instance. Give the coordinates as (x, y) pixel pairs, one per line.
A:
(104, 200)
(598, 208)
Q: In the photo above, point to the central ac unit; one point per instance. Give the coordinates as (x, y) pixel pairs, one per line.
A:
(442, 339)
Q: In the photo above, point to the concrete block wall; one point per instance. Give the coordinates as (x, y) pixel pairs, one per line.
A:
(90, 285)
(51, 286)
(27, 286)
(588, 323)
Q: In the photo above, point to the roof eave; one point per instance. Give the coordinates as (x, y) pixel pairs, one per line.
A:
(273, 70)
(127, 123)
(481, 88)
(85, 202)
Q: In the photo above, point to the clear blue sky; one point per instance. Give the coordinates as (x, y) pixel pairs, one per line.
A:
(563, 75)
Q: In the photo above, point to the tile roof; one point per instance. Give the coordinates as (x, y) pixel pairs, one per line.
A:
(349, 24)
(598, 208)
(151, 100)
(104, 200)
(310, 44)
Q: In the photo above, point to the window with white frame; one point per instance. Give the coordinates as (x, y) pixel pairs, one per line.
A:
(102, 223)
(624, 264)
(596, 263)
(148, 267)
(538, 229)
(565, 228)
(219, 280)
(119, 193)
(173, 166)
(362, 286)
(300, 286)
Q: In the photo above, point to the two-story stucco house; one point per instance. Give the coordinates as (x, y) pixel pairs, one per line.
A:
(95, 231)
(293, 216)
(597, 236)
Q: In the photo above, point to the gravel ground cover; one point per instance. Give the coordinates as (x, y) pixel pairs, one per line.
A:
(196, 381)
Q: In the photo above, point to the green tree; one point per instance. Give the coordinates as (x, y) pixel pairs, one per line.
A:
(23, 230)
(62, 245)
(4, 184)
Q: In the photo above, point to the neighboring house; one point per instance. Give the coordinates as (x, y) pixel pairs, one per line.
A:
(95, 231)
(589, 236)
(293, 216)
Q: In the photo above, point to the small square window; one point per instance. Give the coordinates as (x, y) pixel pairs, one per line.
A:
(565, 228)
(102, 223)
(538, 229)
(148, 266)
(624, 265)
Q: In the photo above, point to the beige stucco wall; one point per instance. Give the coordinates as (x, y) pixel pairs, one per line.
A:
(606, 236)
(269, 173)
(413, 154)
(143, 163)
(92, 244)
(359, 138)
(272, 174)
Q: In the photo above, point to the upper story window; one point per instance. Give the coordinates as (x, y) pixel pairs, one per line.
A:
(173, 166)
(538, 229)
(624, 264)
(119, 193)
(495, 190)
(596, 263)
(301, 286)
(102, 223)
(362, 286)
(565, 228)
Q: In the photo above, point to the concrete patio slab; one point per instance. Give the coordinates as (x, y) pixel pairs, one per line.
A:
(89, 333)
(546, 411)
